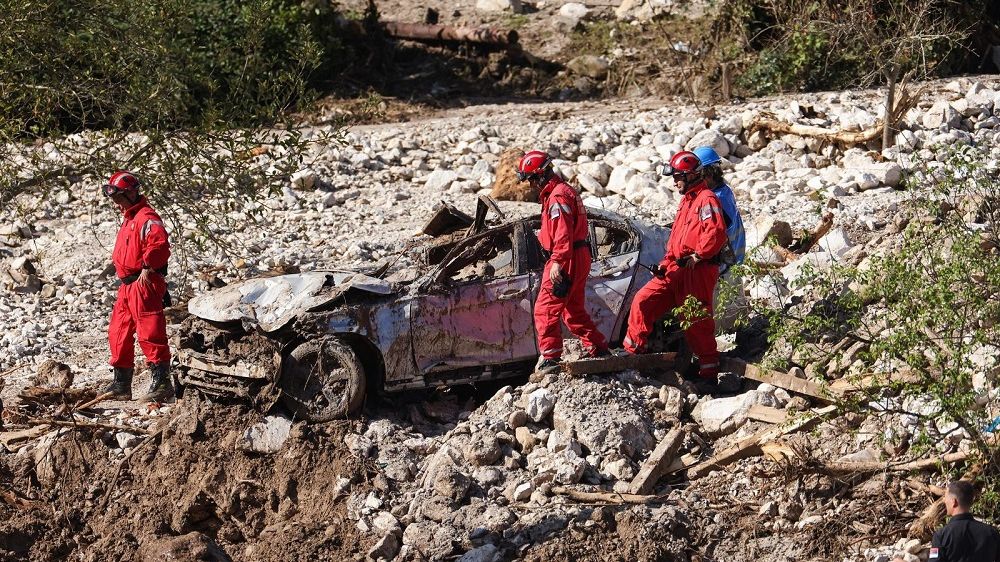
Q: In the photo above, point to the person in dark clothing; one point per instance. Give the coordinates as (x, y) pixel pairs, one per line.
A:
(963, 539)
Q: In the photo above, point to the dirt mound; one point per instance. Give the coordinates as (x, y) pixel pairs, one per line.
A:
(184, 492)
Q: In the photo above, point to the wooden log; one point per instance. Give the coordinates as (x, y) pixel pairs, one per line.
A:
(657, 463)
(766, 121)
(919, 486)
(611, 364)
(606, 497)
(443, 33)
(780, 380)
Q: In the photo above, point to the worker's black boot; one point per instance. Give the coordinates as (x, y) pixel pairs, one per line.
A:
(548, 366)
(160, 390)
(121, 388)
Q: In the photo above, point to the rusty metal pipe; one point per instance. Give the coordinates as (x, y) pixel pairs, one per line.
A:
(426, 32)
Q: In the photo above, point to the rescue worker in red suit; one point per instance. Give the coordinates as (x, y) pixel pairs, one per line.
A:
(564, 235)
(688, 268)
(140, 259)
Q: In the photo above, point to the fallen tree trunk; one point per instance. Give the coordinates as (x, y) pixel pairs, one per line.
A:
(437, 33)
(769, 123)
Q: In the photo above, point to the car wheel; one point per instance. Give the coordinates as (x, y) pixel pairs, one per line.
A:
(322, 380)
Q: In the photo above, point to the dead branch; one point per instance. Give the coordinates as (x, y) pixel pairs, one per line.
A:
(769, 123)
(846, 468)
(608, 497)
(93, 402)
(820, 231)
(78, 424)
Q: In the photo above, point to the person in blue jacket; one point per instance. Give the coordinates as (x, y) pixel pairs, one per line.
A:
(734, 221)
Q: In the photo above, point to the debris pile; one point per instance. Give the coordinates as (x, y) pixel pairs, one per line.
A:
(569, 466)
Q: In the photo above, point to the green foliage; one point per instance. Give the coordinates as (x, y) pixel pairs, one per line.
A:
(928, 306)
(67, 66)
(193, 95)
(829, 44)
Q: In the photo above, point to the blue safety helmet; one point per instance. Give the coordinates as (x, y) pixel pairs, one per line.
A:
(707, 155)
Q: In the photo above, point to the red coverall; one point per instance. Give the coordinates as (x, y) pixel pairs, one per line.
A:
(699, 229)
(564, 235)
(141, 242)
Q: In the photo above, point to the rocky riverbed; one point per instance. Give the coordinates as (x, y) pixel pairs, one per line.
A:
(483, 475)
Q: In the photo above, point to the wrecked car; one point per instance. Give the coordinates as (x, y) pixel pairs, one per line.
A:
(319, 341)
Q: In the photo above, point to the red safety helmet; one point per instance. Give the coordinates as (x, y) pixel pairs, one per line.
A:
(684, 166)
(533, 165)
(120, 182)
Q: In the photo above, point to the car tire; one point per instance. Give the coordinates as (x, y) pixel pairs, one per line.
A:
(322, 380)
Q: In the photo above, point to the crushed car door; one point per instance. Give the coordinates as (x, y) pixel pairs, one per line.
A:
(477, 309)
(615, 248)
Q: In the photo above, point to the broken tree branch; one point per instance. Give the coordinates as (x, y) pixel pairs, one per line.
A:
(845, 468)
(85, 424)
(751, 446)
(769, 123)
(929, 520)
(607, 497)
(88, 404)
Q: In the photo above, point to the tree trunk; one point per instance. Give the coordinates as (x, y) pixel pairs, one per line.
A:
(890, 98)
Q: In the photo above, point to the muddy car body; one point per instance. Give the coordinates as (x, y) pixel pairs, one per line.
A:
(319, 340)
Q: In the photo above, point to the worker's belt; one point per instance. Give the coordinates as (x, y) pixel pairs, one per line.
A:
(129, 279)
(585, 243)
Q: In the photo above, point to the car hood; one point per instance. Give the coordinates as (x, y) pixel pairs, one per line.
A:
(271, 302)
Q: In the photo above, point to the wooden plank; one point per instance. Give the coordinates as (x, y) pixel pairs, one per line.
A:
(780, 380)
(869, 382)
(685, 462)
(766, 414)
(657, 463)
(210, 364)
(750, 446)
(645, 362)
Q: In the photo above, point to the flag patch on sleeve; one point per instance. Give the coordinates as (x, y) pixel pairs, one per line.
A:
(933, 555)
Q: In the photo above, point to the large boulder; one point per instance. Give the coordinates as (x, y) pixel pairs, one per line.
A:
(505, 186)
(941, 113)
(712, 138)
(720, 416)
